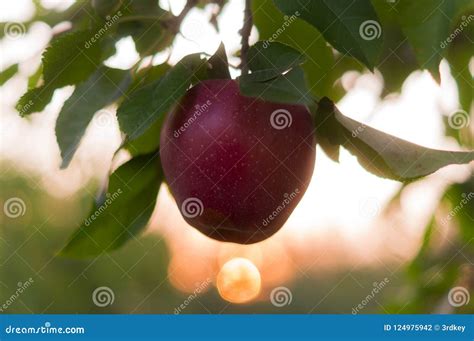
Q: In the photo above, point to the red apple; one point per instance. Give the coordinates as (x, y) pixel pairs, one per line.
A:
(237, 166)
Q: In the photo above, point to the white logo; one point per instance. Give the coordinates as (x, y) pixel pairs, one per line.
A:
(458, 120)
(281, 119)
(14, 207)
(458, 296)
(192, 207)
(103, 296)
(103, 118)
(370, 30)
(14, 30)
(281, 296)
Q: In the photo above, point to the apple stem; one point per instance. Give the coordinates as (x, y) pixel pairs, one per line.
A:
(245, 33)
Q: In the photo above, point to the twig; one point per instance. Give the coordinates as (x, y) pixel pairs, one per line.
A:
(189, 5)
(173, 25)
(216, 12)
(245, 33)
(175, 22)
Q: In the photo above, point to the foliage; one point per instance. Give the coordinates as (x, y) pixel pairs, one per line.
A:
(305, 48)
(137, 272)
(380, 153)
(123, 213)
(102, 88)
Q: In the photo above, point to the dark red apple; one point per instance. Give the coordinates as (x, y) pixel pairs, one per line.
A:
(237, 166)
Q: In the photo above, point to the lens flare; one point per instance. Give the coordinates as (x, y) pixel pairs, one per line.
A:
(239, 281)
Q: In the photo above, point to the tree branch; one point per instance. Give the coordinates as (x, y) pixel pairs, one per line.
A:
(245, 33)
(173, 24)
(189, 5)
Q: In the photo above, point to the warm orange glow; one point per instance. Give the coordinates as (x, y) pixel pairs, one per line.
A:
(187, 278)
(335, 226)
(238, 281)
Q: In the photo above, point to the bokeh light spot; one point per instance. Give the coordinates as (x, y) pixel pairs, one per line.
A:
(239, 281)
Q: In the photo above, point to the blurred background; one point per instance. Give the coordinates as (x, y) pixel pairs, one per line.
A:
(355, 243)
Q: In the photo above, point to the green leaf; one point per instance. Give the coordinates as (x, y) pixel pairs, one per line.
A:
(143, 21)
(398, 60)
(382, 154)
(146, 106)
(101, 89)
(105, 7)
(218, 66)
(34, 79)
(415, 267)
(136, 113)
(427, 25)
(464, 80)
(288, 88)
(150, 139)
(461, 199)
(34, 100)
(273, 58)
(350, 27)
(319, 67)
(146, 76)
(71, 58)
(8, 73)
(130, 201)
(459, 55)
